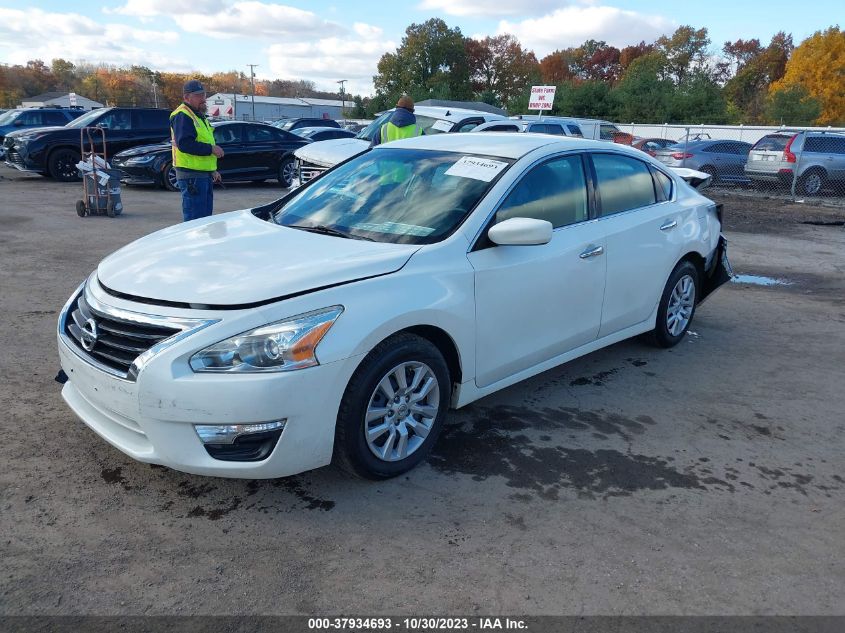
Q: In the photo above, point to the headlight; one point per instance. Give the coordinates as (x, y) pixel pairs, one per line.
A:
(281, 346)
(139, 160)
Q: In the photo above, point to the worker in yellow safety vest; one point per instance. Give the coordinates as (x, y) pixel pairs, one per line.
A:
(195, 153)
(401, 124)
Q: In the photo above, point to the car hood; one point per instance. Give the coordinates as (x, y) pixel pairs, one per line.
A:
(330, 153)
(236, 259)
(144, 149)
(32, 131)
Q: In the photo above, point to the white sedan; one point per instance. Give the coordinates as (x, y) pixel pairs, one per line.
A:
(341, 322)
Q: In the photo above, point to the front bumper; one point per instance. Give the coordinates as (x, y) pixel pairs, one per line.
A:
(152, 418)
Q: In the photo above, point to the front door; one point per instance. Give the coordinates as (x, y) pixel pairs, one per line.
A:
(533, 303)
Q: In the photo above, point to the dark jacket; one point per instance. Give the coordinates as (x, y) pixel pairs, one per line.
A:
(400, 118)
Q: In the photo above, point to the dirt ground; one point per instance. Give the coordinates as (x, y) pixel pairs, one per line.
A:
(707, 479)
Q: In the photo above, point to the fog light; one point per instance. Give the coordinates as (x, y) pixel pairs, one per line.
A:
(240, 442)
(228, 433)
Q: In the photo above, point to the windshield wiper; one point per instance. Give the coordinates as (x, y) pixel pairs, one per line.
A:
(322, 229)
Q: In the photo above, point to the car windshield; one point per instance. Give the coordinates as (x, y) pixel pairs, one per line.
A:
(86, 119)
(402, 196)
(7, 117)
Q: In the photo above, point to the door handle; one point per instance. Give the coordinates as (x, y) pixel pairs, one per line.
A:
(592, 252)
(668, 225)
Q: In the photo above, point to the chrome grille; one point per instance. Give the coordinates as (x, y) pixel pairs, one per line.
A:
(115, 343)
(309, 171)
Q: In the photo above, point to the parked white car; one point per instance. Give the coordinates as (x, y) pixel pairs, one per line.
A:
(343, 320)
(318, 157)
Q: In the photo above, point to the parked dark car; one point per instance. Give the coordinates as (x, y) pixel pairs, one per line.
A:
(723, 160)
(54, 151)
(323, 133)
(253, 151)
(295, 124)
(24, 118)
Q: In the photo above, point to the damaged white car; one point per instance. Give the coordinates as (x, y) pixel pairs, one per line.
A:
(341, 322)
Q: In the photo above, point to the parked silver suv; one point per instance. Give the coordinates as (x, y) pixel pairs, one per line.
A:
(812, 159)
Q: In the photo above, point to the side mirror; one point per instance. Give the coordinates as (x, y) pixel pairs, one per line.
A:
(521, 232)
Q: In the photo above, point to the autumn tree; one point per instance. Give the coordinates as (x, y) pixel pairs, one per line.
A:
(628, 54)
(500, 67)
(556, 67)
(818, 65)
(685, 51)
(754, 69)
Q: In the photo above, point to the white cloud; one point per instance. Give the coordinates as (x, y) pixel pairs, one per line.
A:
(36, 34)
(219, 19)
(151, 8)
(571, 26)
(490, 8)
(326, 60)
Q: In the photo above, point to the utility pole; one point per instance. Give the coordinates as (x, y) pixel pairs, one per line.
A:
(342, 97)
(155, 93)
(252, 82)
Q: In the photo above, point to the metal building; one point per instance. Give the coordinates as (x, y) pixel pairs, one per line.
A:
(225, 105)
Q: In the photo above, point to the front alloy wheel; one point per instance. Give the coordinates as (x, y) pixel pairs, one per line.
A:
(402, 411)
(169, 177)
(287, 170)
(393, 408)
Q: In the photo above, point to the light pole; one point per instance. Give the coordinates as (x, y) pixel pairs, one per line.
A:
(342, 97)
(252, 82)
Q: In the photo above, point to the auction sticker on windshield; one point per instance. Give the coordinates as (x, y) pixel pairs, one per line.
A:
(442, 126)
(476, 168)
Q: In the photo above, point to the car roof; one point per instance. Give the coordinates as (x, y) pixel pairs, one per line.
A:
(454, 114)
(502, 144)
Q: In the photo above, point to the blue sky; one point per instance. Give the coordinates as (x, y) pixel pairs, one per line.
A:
(325, 41)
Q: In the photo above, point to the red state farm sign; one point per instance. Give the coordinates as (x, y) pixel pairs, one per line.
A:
(542, 97)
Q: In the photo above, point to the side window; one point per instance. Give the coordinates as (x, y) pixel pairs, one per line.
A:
(623, 183)
(115, 120)
(813, 144)
(607, 130)
(838, 145)
(257, 134)
(574, 130)
(715, 148)
(555, 191)
(282, 135)
(501, 128)
(32, 118)
(662, 185)
(227, 134)
(55, 118)
(554, 128)
(150, 119)
(537, 128)
(739, 148)
(466, 126)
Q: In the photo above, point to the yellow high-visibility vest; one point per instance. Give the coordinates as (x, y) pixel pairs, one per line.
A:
(205, 134)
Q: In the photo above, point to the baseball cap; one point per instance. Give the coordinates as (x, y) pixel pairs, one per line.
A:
(192, 86)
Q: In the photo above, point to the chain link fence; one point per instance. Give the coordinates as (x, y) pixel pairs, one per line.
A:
(792, 162)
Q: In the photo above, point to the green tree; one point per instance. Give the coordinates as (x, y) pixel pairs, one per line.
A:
(699, 99)
(430, 62)
(590, 99)
(685, 50)
(792, 105)
(645, 93)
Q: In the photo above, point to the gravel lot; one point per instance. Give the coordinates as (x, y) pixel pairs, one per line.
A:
(706, 479)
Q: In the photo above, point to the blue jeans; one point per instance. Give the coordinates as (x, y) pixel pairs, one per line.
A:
(197, 197)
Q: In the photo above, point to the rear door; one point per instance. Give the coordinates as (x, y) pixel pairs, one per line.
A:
(644, 237)
(534, 303)
(262, 149)
(229, 137)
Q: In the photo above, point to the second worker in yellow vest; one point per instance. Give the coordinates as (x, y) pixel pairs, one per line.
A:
(402, 123)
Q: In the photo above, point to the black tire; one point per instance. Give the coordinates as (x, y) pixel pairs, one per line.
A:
(80, 208)
(352, 451)
(812, 182)
(287, 171)
(666, 334)
(168, 178)
(62, 164)
(110, 210)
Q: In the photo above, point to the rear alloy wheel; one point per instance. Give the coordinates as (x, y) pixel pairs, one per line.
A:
(811, 183)
(287, 170)
(168, 177)
(393, 408)
(62, 165)
(677, 305)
